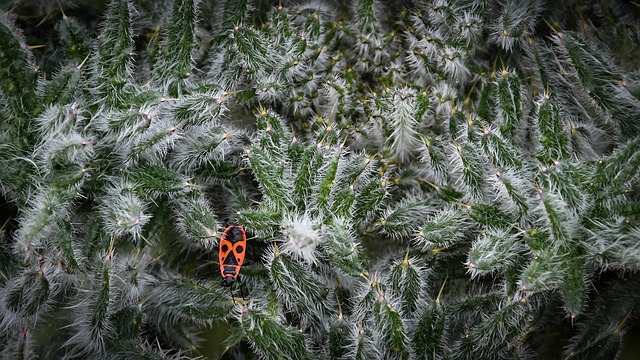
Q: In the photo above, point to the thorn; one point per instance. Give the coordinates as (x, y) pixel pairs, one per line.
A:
(339, 308)
(623, 321)
(111, 247)
(224, 97)
(64, 16)
(493, 68)
(405, 262)
(45, 18)
(83, 62)
(553, 28)
(440, 291)
(154, 35)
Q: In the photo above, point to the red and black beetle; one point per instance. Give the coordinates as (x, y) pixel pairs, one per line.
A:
(233, 245)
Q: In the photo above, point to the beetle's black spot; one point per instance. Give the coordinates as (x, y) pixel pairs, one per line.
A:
(238, 259)
(239, 249)
(225, 248)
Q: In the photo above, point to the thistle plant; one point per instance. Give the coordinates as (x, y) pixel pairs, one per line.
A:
(442, 179)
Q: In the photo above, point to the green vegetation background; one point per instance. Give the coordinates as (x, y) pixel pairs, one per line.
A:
(419, 179)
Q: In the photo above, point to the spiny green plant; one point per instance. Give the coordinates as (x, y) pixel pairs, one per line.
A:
(420, 179)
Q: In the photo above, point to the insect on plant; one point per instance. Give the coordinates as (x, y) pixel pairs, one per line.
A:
(231, 251)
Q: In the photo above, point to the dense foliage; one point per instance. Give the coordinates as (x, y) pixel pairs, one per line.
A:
(445, 179)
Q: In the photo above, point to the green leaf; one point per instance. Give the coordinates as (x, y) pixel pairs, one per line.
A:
(174, 68)
(603, 327)
(512, 188)
(556, 215)
(369, 196)
(264, 222)
(404, 137)
(205, 107)
(408, 279)
(341, 247)
(364, 343)
(270, 338)
(443, 229)
(196, 220)
(402, 220)
(17, 71)
(428, 340)
(115, 50)
(298, 290)
(619, 168)
(127, 322)
(304, 183)
(63, 87)
(494, 251)
(516, 23)
(123, 212)
(74, 38)
(391, 326)
(338, 338)
(94, 329)
(153, 144)
(545, 271)
(613, 243)
(270, 175)
(68, 246)
(158, 179)
(253, 50)
(46, 210)
(28, 295)
(176, 304)
(69, 179)
(379, 314)
(498, 334)
(508, 103)
(492, 216)
(234, 13)
(553, 135)
(66, 150)
(434, 155)
(602, 82)
(574, 290)
(568, 181)
(501, 152)
(325, 187)
(467, 162)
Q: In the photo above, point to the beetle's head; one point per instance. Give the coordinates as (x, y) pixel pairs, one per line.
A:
(228, 281)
